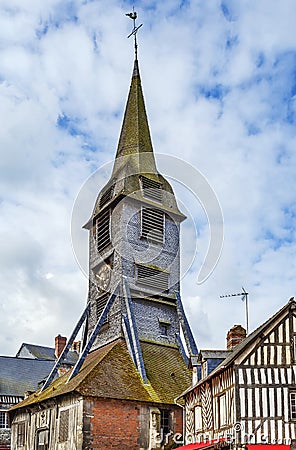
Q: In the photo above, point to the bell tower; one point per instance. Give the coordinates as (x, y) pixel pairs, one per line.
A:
(134, 243)
(134, 298)
(134, 235)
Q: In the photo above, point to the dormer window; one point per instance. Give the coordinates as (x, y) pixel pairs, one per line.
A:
(164, 327)
(152, 225)
(103, 236)
(151, 189)
(152, 277)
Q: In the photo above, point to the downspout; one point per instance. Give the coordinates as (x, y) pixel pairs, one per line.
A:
(183, 412)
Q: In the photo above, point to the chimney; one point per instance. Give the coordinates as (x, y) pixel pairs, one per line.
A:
(76, 346)
(235, 336)
(60, 343)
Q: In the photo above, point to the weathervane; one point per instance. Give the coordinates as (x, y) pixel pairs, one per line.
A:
(244, 296)
(133, 16)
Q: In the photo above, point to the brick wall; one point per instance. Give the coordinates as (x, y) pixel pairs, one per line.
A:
(114, 424)
(118, 424)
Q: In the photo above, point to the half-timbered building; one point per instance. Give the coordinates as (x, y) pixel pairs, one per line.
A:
(24, 373)
(251, 395)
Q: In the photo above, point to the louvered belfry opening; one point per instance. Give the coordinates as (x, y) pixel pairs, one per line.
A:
(152, 225)
(106, 196)
(151, 189)
(100, 305)
(103, 230)
(152, 277)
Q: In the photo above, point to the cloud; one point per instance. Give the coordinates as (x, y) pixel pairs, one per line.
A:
(219, 85)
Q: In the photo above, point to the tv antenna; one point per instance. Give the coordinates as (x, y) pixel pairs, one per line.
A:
(244, 297)
(133, 15)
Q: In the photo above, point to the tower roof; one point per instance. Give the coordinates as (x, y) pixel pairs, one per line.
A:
(135, 135)
(135, 158)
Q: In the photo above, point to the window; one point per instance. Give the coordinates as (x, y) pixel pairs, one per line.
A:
(152, 225)
(3, 419)
(151, 189)
(293, 405)
(222, 410)
(294, 348)
(103, 230)
(164, 328)
(204, 369)
(21, 429)
(152, 277)
(197, 418)
(42, 439)
(165, 421)
(64, 425)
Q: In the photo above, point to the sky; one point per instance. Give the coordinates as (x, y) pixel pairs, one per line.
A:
(219, 80)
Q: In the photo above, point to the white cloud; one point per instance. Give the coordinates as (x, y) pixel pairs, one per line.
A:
(219, 84)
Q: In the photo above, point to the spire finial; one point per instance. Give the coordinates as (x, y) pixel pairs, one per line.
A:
(133, 16)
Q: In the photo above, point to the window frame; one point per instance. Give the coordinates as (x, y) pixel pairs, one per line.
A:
(222, 416)
(165, 421)
(38, 433)
(164, 328)
(20, 434)
(62, 435)
(198, 419)
(5, 422)
(294, 348)
(292, 405)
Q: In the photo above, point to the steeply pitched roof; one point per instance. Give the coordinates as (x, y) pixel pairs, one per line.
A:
(109, 372)
(244, 345)
(240, 348)
(135, 134)
(45, 353)
(135, 157)
(18, 375)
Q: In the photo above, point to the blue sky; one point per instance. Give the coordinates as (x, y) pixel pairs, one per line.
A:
(219, 81)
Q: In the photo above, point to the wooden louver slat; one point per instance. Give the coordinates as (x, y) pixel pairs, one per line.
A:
(152, 225)
(103, 230)
(100, 305)
(152, 277)
(106, 196)
(151, 189)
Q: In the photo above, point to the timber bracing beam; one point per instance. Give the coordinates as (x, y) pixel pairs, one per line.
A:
(66, 349)
(132, 331)
(188, 336)
(182, 349)
(94, 334)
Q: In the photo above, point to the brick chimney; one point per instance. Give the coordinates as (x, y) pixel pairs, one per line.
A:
(235, 336)
(60, 342)
(76, 346)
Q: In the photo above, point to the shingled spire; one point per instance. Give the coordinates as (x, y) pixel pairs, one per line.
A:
(134, 156)
(135, 135)
(135, 140)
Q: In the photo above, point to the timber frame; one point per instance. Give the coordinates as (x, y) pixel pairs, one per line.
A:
(248, 396)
